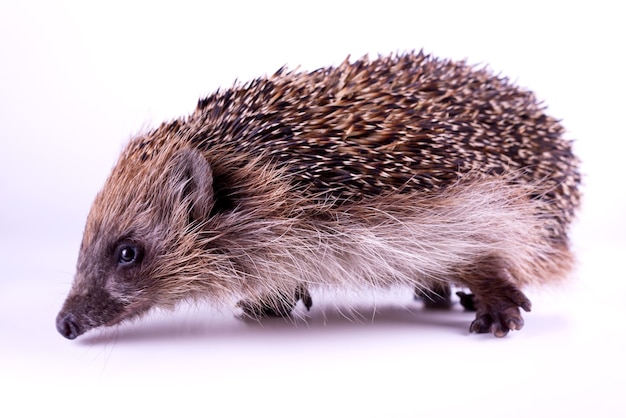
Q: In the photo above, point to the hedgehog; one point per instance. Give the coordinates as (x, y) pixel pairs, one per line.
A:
(400, 170)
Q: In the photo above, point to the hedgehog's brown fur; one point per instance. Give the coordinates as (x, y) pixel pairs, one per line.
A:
(399, 170)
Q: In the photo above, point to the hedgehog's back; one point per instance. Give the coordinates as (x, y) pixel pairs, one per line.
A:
(408, 122)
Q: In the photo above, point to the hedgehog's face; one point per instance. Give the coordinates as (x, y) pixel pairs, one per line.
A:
(134, 249)
(114, 280)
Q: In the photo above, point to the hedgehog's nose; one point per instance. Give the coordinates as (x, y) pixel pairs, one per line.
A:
(67, 326)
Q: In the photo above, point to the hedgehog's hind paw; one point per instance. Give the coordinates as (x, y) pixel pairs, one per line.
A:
(501, 316)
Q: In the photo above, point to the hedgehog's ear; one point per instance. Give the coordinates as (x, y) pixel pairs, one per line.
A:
(193, 180)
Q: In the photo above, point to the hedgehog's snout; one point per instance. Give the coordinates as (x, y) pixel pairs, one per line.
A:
(68, 325)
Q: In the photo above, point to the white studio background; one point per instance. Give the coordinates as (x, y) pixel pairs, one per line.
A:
(77, 79)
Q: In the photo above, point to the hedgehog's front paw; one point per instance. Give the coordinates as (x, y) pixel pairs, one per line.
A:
(502, 316)
(279, 305)
(265, 307)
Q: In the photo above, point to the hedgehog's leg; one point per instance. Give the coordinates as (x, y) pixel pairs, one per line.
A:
(278, 305)
(302, 293)
(497, 301)
(435, 296)
(467, 300)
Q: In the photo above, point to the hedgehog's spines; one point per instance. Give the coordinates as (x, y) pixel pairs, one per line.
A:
(368, 126)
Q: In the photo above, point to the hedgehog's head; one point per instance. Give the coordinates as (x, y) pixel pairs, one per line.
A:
(140, 240)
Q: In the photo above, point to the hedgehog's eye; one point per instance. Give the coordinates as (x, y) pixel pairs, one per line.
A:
(128, 254)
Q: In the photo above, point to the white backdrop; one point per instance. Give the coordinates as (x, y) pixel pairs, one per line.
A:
(77, 79)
